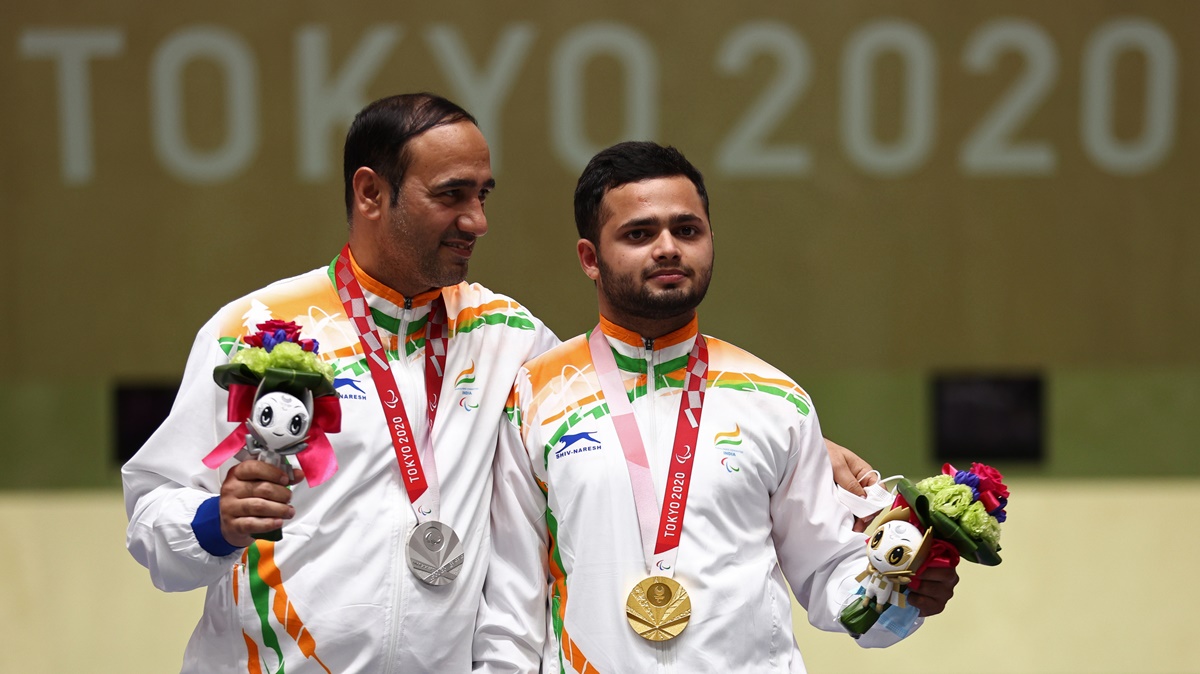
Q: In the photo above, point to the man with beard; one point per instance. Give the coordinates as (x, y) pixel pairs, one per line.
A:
(381, 567)
(616, 435)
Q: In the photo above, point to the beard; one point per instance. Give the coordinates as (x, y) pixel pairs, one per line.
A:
(635, 297)
(419, 257)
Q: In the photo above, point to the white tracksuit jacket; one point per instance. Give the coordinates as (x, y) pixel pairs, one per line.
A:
(335, 594)
(761, 509)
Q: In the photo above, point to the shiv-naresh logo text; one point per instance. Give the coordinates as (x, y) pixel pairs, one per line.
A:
(577, 443)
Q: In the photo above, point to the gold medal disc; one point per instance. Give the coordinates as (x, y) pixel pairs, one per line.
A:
(658, 608)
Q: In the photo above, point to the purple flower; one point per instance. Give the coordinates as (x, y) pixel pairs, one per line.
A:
(269, 339)
(969, 479)
(999, 513)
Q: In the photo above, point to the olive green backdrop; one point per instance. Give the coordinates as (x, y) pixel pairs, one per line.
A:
(898, 189)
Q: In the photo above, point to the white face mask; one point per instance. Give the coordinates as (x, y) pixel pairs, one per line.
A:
(878, 496)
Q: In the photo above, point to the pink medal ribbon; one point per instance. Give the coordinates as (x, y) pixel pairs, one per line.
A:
(420, 482)
(665, 541)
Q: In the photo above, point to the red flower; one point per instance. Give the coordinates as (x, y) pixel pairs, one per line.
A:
(289, 328)
(990, 479)
(270, 329)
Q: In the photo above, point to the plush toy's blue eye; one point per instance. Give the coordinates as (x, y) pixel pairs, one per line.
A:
(296, 425)
(264, 417)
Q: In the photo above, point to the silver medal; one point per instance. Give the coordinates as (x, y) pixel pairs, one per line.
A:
(434, 553)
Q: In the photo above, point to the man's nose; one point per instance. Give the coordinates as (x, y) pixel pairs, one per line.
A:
(666, 247)
(473, 219)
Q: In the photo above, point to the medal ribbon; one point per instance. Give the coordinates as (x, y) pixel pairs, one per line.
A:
(665, 541)
(420, 482)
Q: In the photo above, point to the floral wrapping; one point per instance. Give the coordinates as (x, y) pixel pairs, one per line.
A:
(934, 523)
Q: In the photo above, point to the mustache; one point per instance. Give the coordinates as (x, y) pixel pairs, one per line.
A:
(459, 235)
(667, 267)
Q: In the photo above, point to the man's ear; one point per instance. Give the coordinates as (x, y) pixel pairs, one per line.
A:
(587, 259)
(372, 194)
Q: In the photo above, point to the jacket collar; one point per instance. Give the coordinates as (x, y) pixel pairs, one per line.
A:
(633, 352)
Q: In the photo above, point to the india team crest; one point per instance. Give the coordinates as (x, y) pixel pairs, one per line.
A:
(468, 397)
(728, 443)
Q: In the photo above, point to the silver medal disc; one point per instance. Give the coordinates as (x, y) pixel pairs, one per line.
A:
(434, 553)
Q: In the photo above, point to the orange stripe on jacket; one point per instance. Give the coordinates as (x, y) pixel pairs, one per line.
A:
(575, 656)
(285, 611)
(560, 582)
(252, 659)
(471, 313)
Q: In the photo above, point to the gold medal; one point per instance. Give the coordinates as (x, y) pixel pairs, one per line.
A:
(658, 608)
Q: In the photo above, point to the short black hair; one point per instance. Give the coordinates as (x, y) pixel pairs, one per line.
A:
(623, 163)
(378, 138)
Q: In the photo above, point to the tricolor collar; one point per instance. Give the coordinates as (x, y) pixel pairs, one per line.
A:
(381, 297)
(633, 352)
(616, 333)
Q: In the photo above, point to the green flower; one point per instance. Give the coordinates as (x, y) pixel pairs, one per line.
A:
(980, 524)
(932, 485)
(289, 356)
(285, 356)
(255, 358)
(952, 501)
(319, 366)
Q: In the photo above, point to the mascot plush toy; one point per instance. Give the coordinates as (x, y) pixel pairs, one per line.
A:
(278, 425)
(895, 550)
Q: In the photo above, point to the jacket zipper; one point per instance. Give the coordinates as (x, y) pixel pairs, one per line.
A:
(651, 437)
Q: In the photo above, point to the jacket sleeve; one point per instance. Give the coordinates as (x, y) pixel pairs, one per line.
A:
(819, 552)
(543, 341)
(166, 482)
(511, 630)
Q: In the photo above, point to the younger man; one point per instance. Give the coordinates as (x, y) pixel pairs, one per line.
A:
(665, 482)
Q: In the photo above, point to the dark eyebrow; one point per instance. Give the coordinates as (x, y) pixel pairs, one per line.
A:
(676, 219)
(637, 222)
(453, 183)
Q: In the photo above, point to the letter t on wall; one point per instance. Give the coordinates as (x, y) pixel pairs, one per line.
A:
(73, 49)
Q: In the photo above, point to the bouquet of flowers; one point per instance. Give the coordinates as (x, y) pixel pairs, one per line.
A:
(281, 395)
(936, 522)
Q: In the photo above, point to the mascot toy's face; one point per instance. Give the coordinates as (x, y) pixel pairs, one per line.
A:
(893, 546)
(280, 420)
